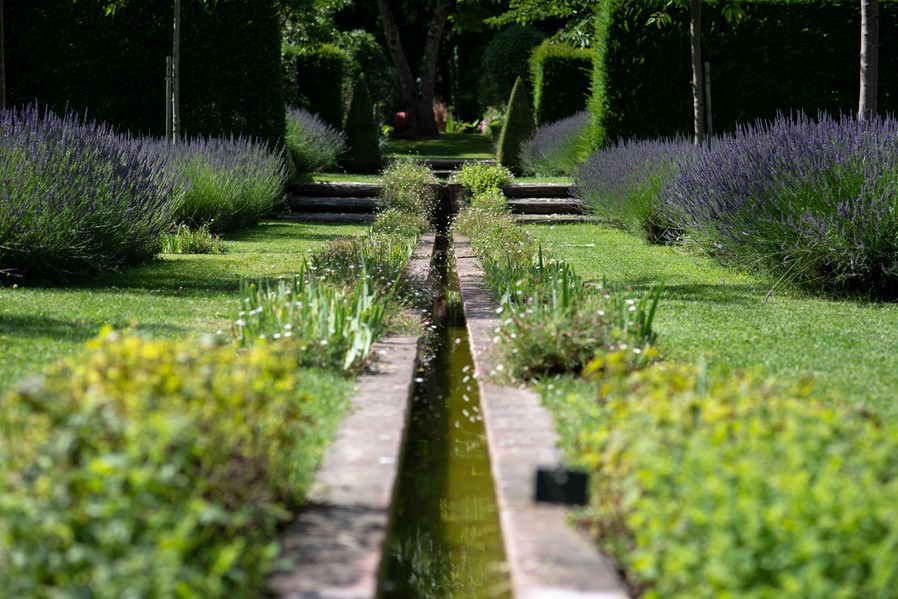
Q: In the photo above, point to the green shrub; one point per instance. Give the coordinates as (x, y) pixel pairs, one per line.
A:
(504, 60)
(312, 144)
(561, 81)
(155, 469)
(367, 58)
(393, 221)
(319, 75)
(478, 178)
(517, 128)
(490, 200)
(712, 486)
(410, 187)
(362, 134)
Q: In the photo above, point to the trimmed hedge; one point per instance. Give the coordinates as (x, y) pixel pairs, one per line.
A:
(517, 128)
(113, 67)
(561, 81)
(320, 73)
(504, 60)
(362, 136)
(783, 56)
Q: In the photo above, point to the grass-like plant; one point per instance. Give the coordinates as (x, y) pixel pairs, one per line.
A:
(77, 199)
(330, 326)
(556, 148)
(231, 183)
(812, 201)
(314, 145)
(622, 183)
(184, 240)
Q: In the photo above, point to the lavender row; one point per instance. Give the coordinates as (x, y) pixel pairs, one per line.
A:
(813, 201)
(556, 148)
(78, 199)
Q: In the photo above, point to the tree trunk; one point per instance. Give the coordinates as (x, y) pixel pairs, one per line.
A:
(869, 59)
(176, 74)
(426, 123)
(418, 102)
(394, 44)
(2, 62)
(698, 98)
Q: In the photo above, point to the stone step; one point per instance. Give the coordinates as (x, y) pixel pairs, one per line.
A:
(326, 217)
(537, 190)
(546, 205)
(556, 219)
(335, 189)
(306, 203)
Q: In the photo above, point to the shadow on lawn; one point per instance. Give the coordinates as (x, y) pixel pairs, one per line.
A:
(717, 293)
(29, 326)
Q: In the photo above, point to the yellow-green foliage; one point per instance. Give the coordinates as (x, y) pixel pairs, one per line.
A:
(153, 469)
(410, 187)
(711, 486)
(479, 178)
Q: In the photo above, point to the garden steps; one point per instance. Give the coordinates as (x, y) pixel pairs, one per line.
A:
(344, 202)
(551, 203)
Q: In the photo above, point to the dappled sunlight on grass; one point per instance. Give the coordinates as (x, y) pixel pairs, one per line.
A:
(176, 296)
(735, 321)
(447, 145)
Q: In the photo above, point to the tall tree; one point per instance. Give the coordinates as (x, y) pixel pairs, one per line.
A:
(417, 99)
(698, 78)
(869, 59)
(2, 62)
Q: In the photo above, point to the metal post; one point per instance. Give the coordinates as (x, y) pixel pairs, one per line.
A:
(176, 73)
(168, 100)
(709, 129)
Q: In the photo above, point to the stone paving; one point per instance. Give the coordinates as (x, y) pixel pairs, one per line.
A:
(547, 558)
(335, 546)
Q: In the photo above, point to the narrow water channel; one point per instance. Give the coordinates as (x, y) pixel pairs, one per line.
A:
(445, 540)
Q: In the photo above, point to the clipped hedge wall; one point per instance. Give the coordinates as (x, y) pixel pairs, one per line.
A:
(504, 60)
(561, 81)
(320, 73)
(800, 55)
(113, 67)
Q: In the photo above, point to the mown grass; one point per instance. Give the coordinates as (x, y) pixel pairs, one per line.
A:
(732, 321)
(337, 178)
(175, 297)
(447, 145)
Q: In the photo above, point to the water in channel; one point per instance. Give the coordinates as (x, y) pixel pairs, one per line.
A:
(445, 540)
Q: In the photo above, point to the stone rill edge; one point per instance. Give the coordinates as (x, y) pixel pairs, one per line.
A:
(335, 546)
(547, 558)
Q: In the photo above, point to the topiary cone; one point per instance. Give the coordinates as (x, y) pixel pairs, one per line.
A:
(518, 127)
(362, 136)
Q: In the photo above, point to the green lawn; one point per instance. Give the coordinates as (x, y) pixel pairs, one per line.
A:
(173, 297)
(447, 145)
(727, 319)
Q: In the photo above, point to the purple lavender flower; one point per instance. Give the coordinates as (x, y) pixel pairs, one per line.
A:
(621, 183)
(76, 198)
(556, 148)
(313, 144)
(811, 200)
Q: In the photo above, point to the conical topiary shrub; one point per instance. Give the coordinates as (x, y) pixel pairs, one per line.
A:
(518, 127)
(363, 155)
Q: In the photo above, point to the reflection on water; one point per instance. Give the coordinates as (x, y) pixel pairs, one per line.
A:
(445, 540)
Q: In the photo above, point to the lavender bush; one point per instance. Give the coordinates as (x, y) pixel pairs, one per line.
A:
(622, 183)
(313, 144)
(556, 148)
(811, 201)
(77, 198)
(231, 182)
